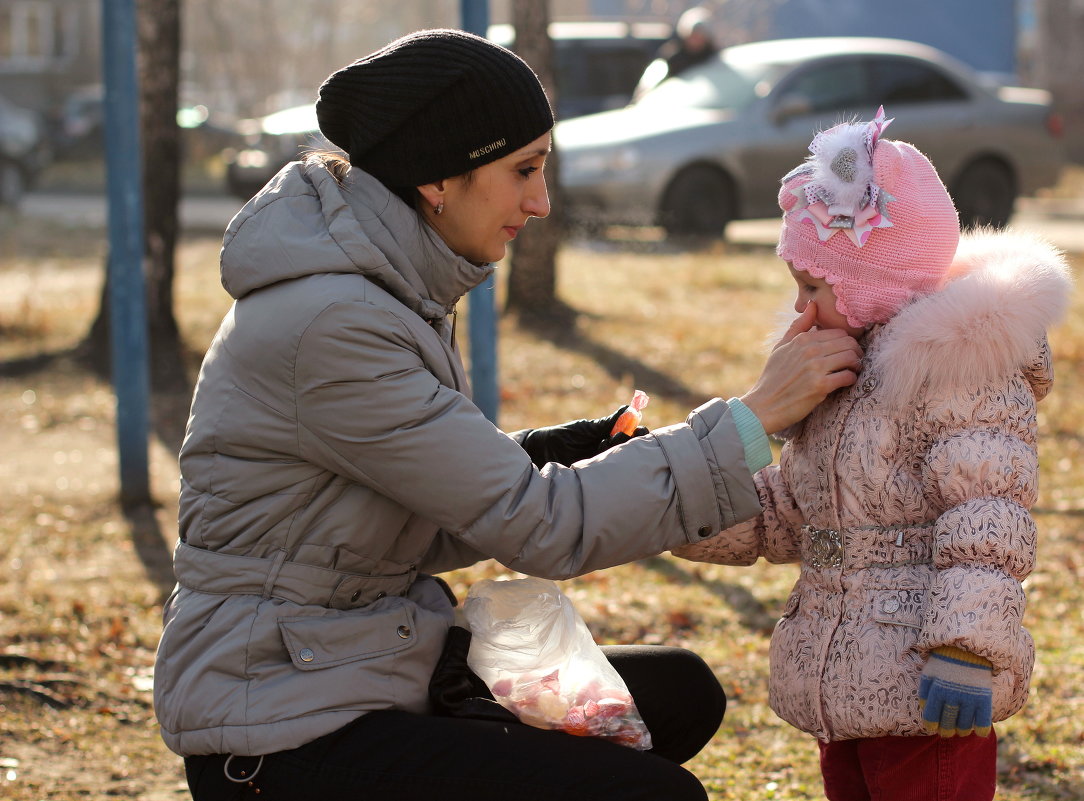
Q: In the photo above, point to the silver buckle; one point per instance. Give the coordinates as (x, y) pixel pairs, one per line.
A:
(825, 547)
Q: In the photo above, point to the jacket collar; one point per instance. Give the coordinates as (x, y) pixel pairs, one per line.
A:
(304, 223)
(1004, 291)
(413, 249)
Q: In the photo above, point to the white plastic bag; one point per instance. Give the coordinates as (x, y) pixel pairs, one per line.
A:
(534, 652)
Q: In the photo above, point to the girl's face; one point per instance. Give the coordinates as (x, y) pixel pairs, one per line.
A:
(820, 292)
(485, 209)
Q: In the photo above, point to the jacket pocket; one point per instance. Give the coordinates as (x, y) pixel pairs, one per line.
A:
(898, 607)
(791, 609)
(315, 642)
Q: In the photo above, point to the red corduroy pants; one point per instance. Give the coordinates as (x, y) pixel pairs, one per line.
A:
(910, 768)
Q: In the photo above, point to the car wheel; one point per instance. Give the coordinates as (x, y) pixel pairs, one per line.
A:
(699, 202)
(241, 188)
(984, 194)
(12, 183)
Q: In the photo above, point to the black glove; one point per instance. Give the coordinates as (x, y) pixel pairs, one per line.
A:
(579, 439)
(455, 689)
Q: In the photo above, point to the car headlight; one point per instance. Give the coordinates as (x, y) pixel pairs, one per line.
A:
(252, 159)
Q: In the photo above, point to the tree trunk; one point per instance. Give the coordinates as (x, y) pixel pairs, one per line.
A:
(159, 76)
(532, 280)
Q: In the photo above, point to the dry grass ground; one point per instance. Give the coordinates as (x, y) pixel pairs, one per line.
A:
(81, 585)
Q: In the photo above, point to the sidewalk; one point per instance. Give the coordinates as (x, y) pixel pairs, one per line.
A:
(1058, 220)
(199, 213)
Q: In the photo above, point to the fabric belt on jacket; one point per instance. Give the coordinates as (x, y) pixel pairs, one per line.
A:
(274, 577)
(856, 547)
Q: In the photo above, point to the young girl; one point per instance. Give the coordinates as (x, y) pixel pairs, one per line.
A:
(905, 497)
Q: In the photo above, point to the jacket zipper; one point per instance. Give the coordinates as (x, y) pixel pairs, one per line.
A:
(834, 482)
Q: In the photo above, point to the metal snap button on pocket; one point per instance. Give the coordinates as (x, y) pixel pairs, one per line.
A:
(890, 605)
(403, 631)
(306, 655)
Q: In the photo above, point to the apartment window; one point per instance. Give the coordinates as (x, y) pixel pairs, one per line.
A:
(36, 34)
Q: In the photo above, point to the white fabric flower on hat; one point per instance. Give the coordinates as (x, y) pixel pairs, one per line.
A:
(840, 193)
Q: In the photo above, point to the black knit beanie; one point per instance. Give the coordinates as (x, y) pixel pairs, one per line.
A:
(431, 105)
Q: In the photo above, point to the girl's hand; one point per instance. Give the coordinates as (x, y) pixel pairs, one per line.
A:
(804, 367)
(955, 693)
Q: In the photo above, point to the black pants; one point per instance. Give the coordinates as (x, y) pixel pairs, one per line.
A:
(398, 756)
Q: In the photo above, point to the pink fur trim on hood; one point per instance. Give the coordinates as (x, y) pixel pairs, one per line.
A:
(1004, 290)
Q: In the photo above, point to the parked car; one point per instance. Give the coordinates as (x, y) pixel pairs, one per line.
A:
(597, 64)
(709, 146)
(24, 150)
(271, 142)
(79, 129)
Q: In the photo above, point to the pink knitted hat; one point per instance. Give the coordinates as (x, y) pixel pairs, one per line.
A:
(871, 217)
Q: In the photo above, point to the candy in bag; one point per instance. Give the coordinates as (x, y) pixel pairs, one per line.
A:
(534, 652)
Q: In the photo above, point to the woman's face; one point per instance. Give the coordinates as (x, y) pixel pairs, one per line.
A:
(820, 292)
(485, 210)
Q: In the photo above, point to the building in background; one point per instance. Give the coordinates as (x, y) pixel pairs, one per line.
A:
(46, 48)
(980, 33)
(247, 58)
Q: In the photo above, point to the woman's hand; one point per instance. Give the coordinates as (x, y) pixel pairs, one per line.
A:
(579, 439)
(803, 368)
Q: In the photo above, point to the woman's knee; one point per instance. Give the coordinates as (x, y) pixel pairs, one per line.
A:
(702, 686)
(676, 693)
(682, 785)
(638, 777)
(696, 690)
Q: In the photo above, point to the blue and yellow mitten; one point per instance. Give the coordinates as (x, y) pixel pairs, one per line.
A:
(955, 693)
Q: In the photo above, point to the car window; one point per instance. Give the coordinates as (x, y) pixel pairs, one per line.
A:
(831, 87)
(898, 81)
(717, 86)
(590, 71)
(834, 86)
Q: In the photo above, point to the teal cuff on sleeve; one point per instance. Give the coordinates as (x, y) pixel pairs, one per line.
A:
(758, 451)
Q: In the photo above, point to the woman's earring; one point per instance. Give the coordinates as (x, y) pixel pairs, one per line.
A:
(439, 208)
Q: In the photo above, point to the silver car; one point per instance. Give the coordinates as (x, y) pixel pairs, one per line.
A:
(271, 143)
(24, 150)
(710, 145)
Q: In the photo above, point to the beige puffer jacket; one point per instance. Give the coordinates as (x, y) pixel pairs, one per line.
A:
(906, 497)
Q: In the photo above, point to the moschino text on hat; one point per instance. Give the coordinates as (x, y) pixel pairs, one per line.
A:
(474, 154)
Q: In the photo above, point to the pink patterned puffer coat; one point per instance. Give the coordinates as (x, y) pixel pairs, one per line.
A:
(906, 497)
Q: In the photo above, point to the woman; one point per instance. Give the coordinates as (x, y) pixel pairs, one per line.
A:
(333, 460)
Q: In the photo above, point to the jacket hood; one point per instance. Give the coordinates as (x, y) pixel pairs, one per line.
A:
(1003, 291)
(304, 222)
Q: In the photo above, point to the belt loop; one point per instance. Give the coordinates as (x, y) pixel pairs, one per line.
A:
(273, 573)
